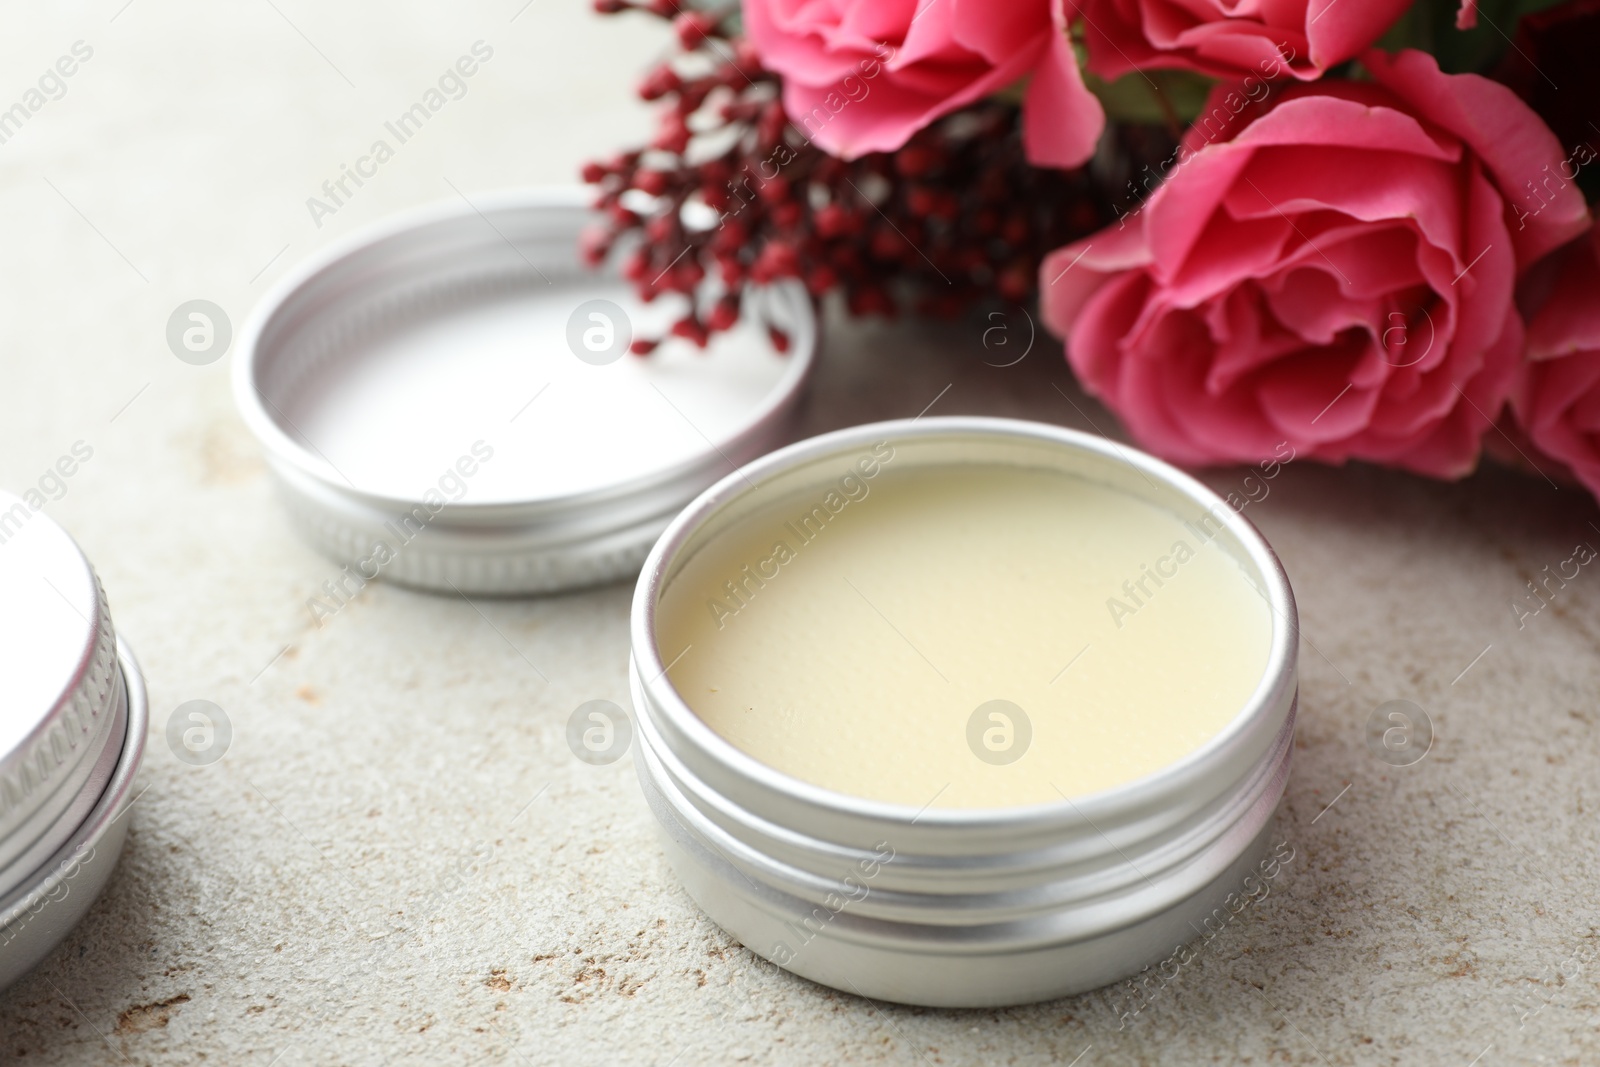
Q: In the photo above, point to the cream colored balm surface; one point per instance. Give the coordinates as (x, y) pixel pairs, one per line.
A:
(967, 637)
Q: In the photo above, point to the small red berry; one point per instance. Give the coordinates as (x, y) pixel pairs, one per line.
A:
(692, 27)
(659, 82)
(650, 181)
(913, 161)
(690, 99)
(725, 313)
(660, 228)
(887, 244)
(787, 216)
(685, 277)
(834, 221)
(674, 134)
(922, 200)
(770, 126)
(636, 268)
(731, 237)
(775, 190)
(691, 329)
(776, 260)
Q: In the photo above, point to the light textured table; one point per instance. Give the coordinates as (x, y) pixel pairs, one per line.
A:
(398, 859)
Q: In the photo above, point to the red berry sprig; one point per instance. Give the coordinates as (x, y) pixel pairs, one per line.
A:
(730, 186)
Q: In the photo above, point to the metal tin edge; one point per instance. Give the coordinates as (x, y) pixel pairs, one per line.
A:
(1275, 690)
(56, 747)
(342, 520)
(35, 917)
(801, 356)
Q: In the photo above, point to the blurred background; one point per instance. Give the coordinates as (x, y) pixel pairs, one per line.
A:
(397, 859)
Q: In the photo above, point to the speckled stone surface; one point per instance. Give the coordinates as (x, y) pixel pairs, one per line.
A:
(399, 861)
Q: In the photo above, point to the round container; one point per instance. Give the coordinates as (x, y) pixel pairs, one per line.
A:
(962, 907)
(72, 736)
(446, 399)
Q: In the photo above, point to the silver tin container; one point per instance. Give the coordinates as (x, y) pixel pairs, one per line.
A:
(72, 736)
(378, 374)
(964, 907)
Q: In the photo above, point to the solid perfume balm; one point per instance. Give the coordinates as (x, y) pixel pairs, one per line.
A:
(975, 635)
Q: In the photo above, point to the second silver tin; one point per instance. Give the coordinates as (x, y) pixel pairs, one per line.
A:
(72, 733)
(962, 908)
(447, 399)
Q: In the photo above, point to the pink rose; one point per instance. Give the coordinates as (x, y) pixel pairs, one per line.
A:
(1557, 402)
(1336, 274)
(864, 75)
(1232, 38)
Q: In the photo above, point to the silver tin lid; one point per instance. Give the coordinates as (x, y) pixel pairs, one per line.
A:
(447, 400)
(58, 655)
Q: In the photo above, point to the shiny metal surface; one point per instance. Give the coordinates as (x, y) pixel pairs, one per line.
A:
(52, 824)
(438, 336)
(953, 907)
(57, 654)
(38, 913)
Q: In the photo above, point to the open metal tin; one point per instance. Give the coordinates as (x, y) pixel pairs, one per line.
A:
(72, 735)
(966, 907)
(447, 399)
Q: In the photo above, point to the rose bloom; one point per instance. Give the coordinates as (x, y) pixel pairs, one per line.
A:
(1232, 38)
(1557, 401)
(864, 75)
(1336, 274)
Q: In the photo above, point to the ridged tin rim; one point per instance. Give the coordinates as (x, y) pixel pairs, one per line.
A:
(1050, 908)
(1278, 676)
(102, 819)
(57, 816)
